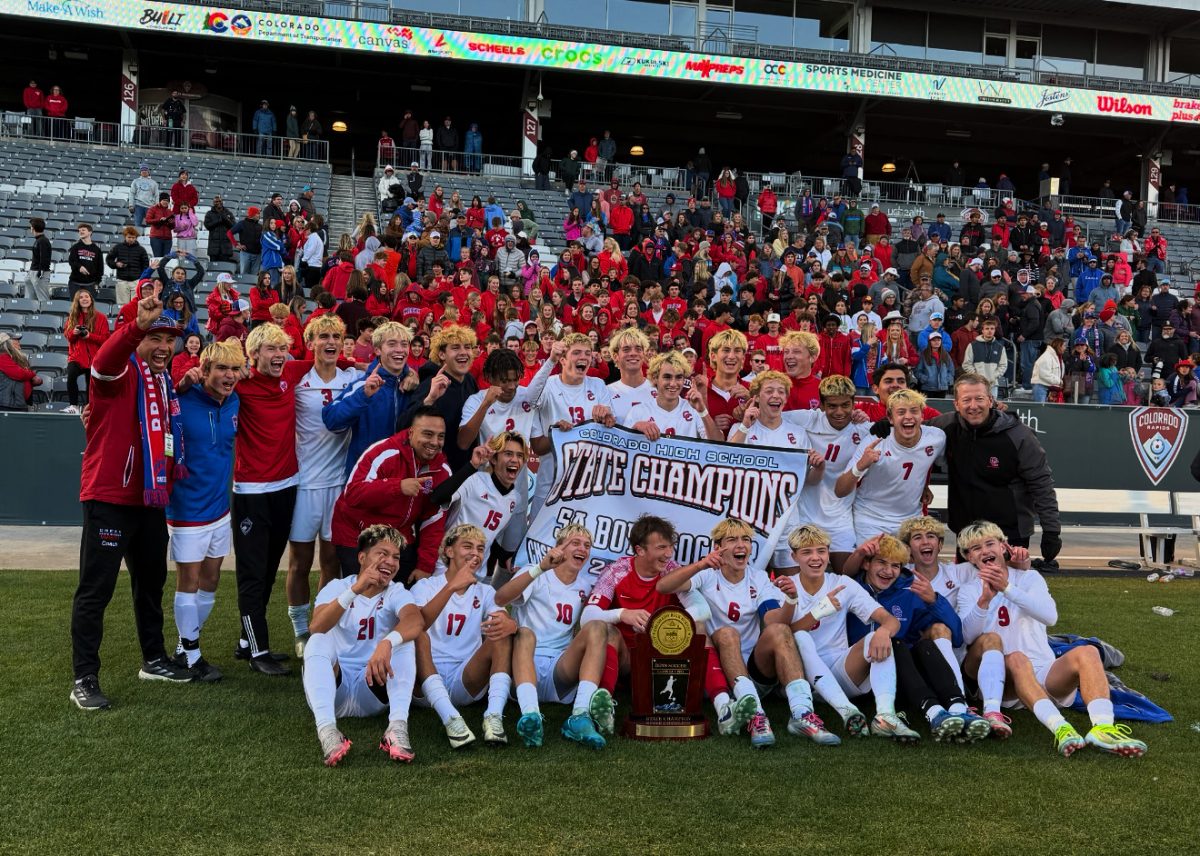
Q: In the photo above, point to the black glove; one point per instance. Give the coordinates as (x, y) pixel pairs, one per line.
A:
(1051, 546)
(881, 429)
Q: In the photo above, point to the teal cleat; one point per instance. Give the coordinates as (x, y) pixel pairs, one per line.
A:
(530, 728)
(579, 728)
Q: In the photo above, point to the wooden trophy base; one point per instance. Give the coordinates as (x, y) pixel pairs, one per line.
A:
(666, 727)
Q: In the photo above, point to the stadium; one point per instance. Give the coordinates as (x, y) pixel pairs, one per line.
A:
(439, 331)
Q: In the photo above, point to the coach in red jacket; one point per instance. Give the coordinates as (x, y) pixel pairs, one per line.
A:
(133, 454)
(393, 483)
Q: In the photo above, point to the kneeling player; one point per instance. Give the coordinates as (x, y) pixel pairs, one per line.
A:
(360, 658)
(824, 600)
(466, 650)
(738, 597)
(548, 664)
(1013, 602)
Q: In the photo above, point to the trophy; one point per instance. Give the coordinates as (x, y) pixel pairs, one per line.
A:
(667, 679)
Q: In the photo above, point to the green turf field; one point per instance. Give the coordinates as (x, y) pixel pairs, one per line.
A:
(235, 768)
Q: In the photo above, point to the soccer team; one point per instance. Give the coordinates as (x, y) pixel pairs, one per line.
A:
(418, 600)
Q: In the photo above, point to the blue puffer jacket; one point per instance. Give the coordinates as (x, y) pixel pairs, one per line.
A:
(914, 614)
(369, 419)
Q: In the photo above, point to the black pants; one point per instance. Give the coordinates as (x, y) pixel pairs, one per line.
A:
(74, 372)
(311, 276)
(261, 525)
(924, 677)
(853, 187)
(348, 560)
(112, 533)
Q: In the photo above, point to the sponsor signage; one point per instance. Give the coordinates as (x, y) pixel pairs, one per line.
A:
(845, 78)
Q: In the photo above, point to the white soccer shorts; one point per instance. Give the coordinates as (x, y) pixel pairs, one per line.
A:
(197, 543)
(313, 514)
(547, 688)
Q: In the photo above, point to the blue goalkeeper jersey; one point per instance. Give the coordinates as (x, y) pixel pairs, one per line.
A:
(914, 614)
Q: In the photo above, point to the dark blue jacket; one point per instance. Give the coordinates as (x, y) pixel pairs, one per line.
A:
(370, 419)
(915, 615)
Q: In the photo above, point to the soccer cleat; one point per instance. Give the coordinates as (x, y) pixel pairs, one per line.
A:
(163, 669)
(531, 728)
(1001, 724)
(733, 717)
(334, 745)
(893, 725)
(761, 735)
(87, 694)
(458, 733)
(580, 729)
(1117, 740)
(976, 728)
(811, 726)
(395, 741)
(301, 641)
(947, 726)
(856, 723)
(241, 653)
(604, 711)
(206, 672)
(1067, 740)
(493, 730)
(268, 665)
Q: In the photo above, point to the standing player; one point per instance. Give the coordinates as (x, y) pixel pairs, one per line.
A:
(321, 454)
(1014, 602)
(628, 347)
(198, 516)
(360, 659)
(751, 657)
(466, 651)
(505, 405)
(824, 601)
(726, 394)
(888, 476)
(551, 662)
(665, 413)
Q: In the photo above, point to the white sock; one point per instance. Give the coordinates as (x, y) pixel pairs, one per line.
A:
(583, 697)
(883, 682)
(498, 687)
(320, 685)
(991, 680)
(799, 696)
(1047, 713)
(934, 712)
(958, 707)
(404, 678)
(947, 650)
(299, 617)
(187, 621)
(1101, 711)
(743, 686)
(824, 683)
(720, 701)
(527, 698)
(204, 605)
(434, 690)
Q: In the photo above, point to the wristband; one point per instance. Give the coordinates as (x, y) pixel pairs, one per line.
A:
(346, 599)
(792, 599)
(395, 638)
(857, 473)
(823, 608)
(535, 571)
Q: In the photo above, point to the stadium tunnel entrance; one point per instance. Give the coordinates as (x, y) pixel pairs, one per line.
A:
(746, 128)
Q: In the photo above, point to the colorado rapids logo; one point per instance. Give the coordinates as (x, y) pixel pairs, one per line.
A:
(1157, 434)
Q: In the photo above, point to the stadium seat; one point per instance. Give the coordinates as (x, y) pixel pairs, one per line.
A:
(9, 290)
(44, 323)
(11, 321)
(56, 343)
(47, 362)
(57, 406)
(32, 341)
(19, 304)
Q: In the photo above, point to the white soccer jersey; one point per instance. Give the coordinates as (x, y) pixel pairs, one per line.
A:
(517, 415)
(737, 604)
(479, 502)
(829, 635)
(625, 396)
(369, 619)
(952, 578)
(1020, 620)
(561, 402)
(890, 492)
(820, 503)
(321, 452)
(457, 632)
(551, 608)
(786, 436)
(683, 421)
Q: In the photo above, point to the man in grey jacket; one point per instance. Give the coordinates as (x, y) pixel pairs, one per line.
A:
(143, 193)
(509, 260)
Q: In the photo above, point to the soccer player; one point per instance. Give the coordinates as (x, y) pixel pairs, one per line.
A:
(726, 394)
(1012, 601)
(360, 658)
(551, 661)
(447, 391)
(888, 475)
(466, 651)
(834, 440)
(800, 352)
(321, 454)
(198, 516)
(819, 619)
(629, 346)
(751, 656)
(665, 413)
(505, 405)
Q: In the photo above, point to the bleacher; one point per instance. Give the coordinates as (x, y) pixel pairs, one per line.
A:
(68, 184)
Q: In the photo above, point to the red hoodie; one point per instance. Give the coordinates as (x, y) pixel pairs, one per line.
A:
(82, 350)
(336, 279)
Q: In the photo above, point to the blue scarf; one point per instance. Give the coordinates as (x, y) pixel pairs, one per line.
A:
(158, 413)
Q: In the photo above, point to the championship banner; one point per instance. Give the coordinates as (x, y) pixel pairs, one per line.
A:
(608, 477)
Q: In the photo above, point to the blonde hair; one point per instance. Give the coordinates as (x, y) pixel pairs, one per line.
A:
(570, 531)
(726, 339)
(892, 550)
(977, 532)
(836, 386)
(228, 352)
(386, 331)
(328, 323)
(377, 532)
(628, 336)
(808, 535)
(279, 311)
(457, 533)
(730, 527)
(499, 441)
(266, 334)
(921, 524)
(455, 335)
(572, 339)
(905, 396)
(769, 376)
(808, 341)
(672, 359)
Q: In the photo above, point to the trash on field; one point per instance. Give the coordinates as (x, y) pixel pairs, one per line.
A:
(1166, 578)
(1164, 611)
(1183, 572)
(1152, 578)
(1196, 726)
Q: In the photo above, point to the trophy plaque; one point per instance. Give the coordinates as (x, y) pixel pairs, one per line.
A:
(667, 679)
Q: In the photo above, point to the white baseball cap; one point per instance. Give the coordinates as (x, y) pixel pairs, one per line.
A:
(774, 316)
(225, 278)
(892, 271)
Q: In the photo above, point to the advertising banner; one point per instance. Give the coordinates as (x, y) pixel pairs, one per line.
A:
(848, 78)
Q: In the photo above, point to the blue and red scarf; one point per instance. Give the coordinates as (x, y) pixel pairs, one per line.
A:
(158, 414)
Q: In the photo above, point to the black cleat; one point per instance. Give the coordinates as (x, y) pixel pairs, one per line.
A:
(206, 672)
(268, 665)
(165, 669)
(87, 694)
(241, 653)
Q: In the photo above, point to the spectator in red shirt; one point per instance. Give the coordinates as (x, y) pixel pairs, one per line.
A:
(35, 103)
(55, 105)
(877, 225)
(183, 191)
(835, 349)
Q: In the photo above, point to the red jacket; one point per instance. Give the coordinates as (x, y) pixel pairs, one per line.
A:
(835, 355)
(260, 304)
(620, 219)
(11, 369)
(182, 364)
(373, 495)
(161, 222)
(767, 201)
(266, 447)
(878, 224)
(82, 349)
(336, 278)
(112, 459)
(56, 107)
(33, 98)
(219, 307)
(181, 193)
(298, 350)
